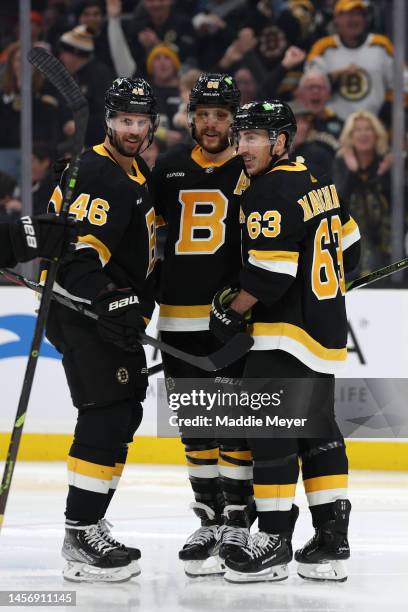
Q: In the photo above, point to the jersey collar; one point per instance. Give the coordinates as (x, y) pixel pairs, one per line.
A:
(203, 162)
(138, 177)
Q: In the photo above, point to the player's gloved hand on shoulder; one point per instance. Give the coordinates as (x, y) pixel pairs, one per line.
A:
(225, 323)
(120, 318)
(48, 236)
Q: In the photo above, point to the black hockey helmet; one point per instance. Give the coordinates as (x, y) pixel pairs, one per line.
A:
(132, 96)
(272, 115)
(215, 89)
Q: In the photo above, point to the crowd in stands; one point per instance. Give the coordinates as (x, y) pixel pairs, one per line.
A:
(330, 59)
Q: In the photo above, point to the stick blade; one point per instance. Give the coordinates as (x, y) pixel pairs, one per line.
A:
(233, 350)
(57, 74)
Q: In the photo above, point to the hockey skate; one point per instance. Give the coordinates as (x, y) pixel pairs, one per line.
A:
(200, 552)
(264, 558)
(234, 534)
(322, 557)
(90, 558)
(104, 527)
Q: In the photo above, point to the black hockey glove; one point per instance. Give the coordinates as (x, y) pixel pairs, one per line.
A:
(47, 236)
(120, 318)
(224, 322)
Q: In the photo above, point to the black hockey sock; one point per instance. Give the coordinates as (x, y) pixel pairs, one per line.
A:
(117, 473)
(236, 476)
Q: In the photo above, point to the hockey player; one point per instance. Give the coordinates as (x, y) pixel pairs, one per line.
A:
(104, 362)
(299, 242)
(45, 236)
(197, 193)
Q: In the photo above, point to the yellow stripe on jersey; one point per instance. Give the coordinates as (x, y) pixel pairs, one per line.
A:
(321, 46)
(185, 312)
(93, 243)
(349, 234)
(138, 177)
(296, 167)
(382, 41)
(320, 483)
(56, 199)
(292, 256)
(210, 453)
(299, 335)
(198, 157)
(93, 470)
(274, 490)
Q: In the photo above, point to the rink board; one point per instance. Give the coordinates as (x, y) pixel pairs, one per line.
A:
(378, 348)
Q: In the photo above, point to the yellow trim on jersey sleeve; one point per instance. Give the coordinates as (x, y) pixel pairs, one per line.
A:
(296, 167)
(185, 312)
(201, 160)
(299, 335)
(138, 177)
(349, 227)
(382, 41)
(86, 468)
(160, 221)
(292, 256)
(321, 46)
(56, 199)
(94, 243)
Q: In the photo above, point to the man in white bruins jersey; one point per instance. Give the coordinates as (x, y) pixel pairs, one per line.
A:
(197, 193)
(299, 242)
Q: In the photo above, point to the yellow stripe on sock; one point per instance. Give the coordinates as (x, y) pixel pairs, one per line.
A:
(319, 483)
(86, 468)
(274, 490)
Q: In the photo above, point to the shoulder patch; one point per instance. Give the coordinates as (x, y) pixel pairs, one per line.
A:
(382, 41)
(321, 46)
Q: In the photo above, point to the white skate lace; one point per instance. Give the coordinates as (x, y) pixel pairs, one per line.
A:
(260, 543)
(202, 535)
(104, 527)
(93, 537)
(238, 536)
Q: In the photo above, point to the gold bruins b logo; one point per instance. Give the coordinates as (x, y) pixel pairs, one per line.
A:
(355, 86)
(122, 376)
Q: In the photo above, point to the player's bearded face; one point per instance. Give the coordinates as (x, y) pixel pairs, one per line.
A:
(255, 148)
(212, 128)
(127, 132)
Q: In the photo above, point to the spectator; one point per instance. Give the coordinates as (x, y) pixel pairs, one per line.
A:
(305, 144)
(362, 177)
(216, 29)
(163, 70)
(358, 63)
(180, 119)
(157, 21)
(45, 107)
(37, 29)
(247, 85)
(76, 49)
(43, 183)
(89, 13)
(10, 206)
(325, 127)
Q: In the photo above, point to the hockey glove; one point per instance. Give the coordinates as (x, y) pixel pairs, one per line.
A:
(47, 236)
(120, 318)
(225, 323)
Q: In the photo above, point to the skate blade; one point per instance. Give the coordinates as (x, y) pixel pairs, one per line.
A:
(276, 573)
(207, 567)
(330, 571)
(75, 571)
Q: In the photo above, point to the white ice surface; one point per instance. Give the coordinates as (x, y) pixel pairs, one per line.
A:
(150, 510)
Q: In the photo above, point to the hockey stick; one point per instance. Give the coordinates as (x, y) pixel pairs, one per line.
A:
(377, 275)
(55, 72)
(233, 350)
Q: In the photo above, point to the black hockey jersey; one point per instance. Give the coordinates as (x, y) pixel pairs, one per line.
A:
(7, 257)
(200, 203)
(117, 232)
(299, 242)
